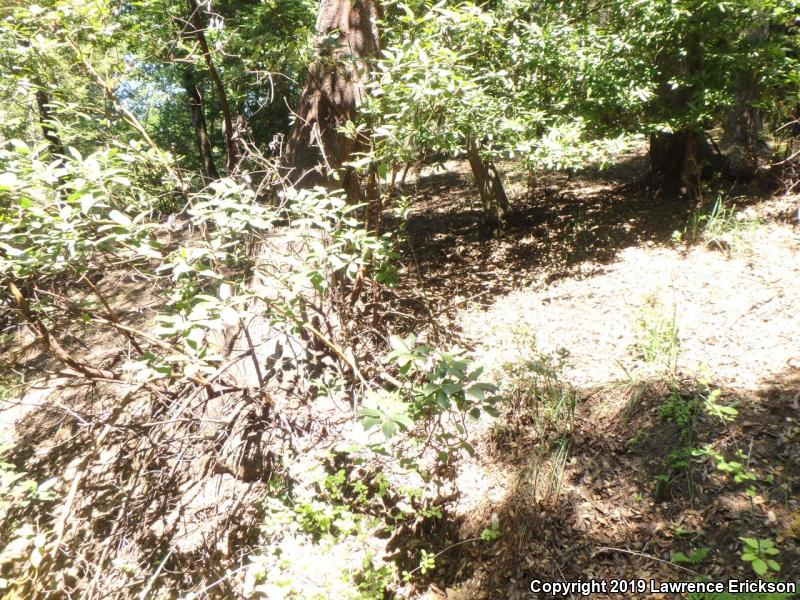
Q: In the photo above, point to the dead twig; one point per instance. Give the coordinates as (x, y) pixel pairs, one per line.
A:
(643, 555)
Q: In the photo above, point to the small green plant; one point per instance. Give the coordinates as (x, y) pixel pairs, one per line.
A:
(534, 384)
(759, 553)
(695, 557)
(722, 227)
(681, 411)
(439, 391)
(542, 405)
(427, 562)
(709, 396)
(373, 581)
(24, 544)
(492, 532)
(656, 335)
(736, 469)
(678, 463)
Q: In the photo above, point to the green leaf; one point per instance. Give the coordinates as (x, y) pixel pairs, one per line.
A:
(680, 558)
(404, 420)
(491, 410)
(398, 344)
(369, 422)
(452, 388)
(759, 566)
(120, 218)
(773, 565)
(389, 429)
(749, 556)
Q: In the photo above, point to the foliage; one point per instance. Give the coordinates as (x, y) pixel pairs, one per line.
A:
(758, 552)
(534, 385)
(439, 391)
(65, 215)
(689, 57)
(332, 511)
(314, 533)
(25, 539)
(687, 410)
(723, 227)
(656, 334)
(99, 176)
(695, 557)
(454, 73)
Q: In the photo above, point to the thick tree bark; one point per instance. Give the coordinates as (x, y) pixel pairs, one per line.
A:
(678, 162)
(742, 139)
(668, 161)
(315, 149)
(490, 186)
(197, 110)
(197, 20)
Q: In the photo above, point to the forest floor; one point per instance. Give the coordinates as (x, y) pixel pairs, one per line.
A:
(615, 340)
(621, 346)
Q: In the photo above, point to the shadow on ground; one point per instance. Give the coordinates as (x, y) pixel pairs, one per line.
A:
(610, 517)
(563, 226)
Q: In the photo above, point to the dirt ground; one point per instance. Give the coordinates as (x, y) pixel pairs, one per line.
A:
(584, 258)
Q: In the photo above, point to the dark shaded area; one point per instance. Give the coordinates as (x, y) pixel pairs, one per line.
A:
(556, 228)
(609, 502)
(563, 225)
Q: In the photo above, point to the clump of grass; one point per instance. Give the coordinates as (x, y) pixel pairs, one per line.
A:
(534, 384)
(542, 476)
(542, 406)
(656, 335)
(721, 226)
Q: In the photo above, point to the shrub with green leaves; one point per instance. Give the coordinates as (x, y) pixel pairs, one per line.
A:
(24, 539)
(66, 216)
(435, 396)
(760, 554)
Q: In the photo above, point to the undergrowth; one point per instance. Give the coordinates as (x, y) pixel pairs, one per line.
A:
(252, 284)
(541, 411)
(696, 410)
(720, 226)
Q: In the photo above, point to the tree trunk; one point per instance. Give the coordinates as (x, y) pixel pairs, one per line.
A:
(197, 109)
(742, 139)
(315, 149)
(197, 21)
(490, 186)
(678, 162)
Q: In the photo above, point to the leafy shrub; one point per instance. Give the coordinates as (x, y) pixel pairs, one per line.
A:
(25, 541)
